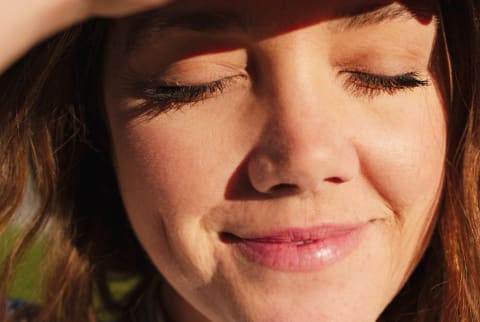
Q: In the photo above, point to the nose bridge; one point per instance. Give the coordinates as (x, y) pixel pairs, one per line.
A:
(298, 79)
(305, 118)
(293, 63)
(305, 142)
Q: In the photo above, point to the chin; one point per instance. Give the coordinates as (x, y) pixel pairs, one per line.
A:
(306, 311)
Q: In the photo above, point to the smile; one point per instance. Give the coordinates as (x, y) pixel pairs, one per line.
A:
(298, 250)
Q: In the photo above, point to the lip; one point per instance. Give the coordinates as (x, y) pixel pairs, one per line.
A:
(298, 249)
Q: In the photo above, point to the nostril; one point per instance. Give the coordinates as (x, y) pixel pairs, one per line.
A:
(334, 180)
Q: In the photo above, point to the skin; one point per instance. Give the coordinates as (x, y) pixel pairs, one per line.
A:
(286, 144)
(26, 22)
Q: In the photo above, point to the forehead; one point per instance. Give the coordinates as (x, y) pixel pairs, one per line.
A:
(266, 17)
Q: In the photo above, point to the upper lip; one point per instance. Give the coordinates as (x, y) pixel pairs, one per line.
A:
(293, 235)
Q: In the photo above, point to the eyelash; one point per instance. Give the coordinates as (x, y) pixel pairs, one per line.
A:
(362, 84)
(371, 85)
(158, 99)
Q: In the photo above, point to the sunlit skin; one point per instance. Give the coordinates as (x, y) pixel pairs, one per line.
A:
(299, 135)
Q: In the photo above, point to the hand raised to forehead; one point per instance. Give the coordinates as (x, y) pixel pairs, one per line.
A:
(23, 23)
(115, 8)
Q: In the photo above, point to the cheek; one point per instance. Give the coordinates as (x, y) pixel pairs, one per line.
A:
(172, 171)
(165, 170)
(181, 161)
(404, 161)
(166, 188)
(182, 169)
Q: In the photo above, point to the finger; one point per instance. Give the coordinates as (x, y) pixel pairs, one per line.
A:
(23, 23)
(117, 8)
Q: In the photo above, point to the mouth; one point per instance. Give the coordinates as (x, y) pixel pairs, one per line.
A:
(297, 249)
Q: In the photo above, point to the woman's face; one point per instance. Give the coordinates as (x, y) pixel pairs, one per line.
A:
(278, 160)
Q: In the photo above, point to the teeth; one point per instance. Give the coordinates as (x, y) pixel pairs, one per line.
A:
(304, 242)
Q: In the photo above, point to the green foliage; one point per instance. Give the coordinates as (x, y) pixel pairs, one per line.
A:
(28, 277)
(26, 282)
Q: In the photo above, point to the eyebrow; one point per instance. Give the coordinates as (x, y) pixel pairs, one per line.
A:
(218, 22)
(376, 15)
(202, 22)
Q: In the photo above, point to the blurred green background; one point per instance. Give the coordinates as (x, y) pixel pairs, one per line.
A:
(27, 279)
(26, 284)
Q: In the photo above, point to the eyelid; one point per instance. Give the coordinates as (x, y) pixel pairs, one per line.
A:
(380, 75)
(162, 96)
(369, 85)
(167, 83)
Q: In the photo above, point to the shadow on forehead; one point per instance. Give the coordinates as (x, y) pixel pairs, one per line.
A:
(266, 18)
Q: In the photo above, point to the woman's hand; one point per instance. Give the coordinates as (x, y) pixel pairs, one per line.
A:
(23, 23)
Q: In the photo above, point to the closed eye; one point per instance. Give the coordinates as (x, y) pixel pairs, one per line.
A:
(371, 85)
(169, 96)
(156, 99)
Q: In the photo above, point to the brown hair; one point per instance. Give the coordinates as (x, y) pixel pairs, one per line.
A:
(53, 140)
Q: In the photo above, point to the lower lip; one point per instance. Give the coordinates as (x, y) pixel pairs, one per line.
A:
(279, 255)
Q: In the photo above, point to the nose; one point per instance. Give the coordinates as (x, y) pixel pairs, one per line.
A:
(294, 156)
(306, 143)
